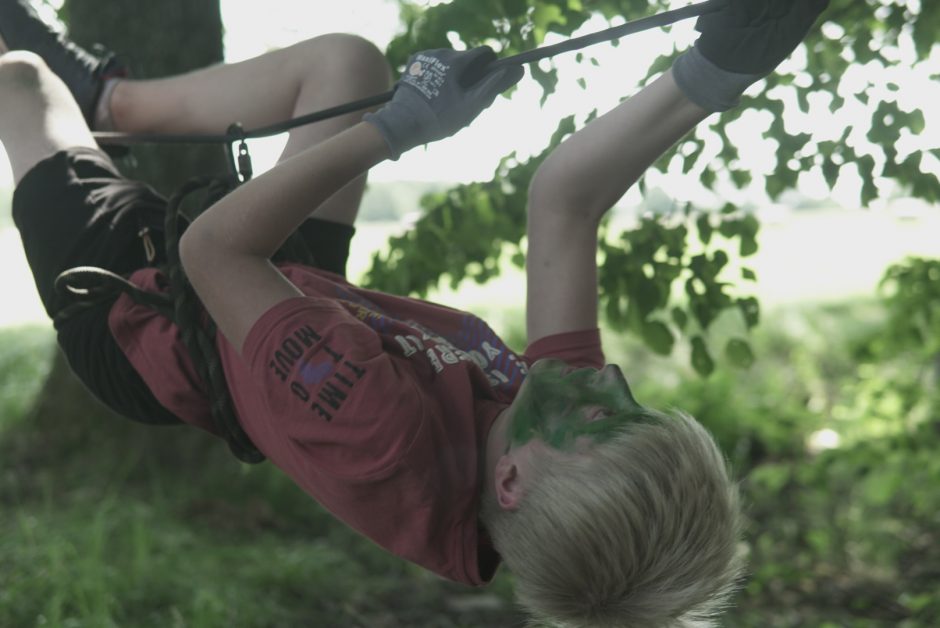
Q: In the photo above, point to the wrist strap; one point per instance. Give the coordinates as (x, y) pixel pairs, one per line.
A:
(707, 85)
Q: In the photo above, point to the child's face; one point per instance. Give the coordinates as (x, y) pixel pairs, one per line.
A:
(565, 407)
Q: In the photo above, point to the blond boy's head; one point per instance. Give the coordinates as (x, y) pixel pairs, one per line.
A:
(638, 528)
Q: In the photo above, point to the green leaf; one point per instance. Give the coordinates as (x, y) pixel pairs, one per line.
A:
(749, 274)
(739, 353)
(703, 311)
(820, 540)
(880, 488)
(750, 309)
(750, 224)
(771, 478)
(699, 265)
(831, 171)
(729, 227)
(647, 294)
(616, 313)
(775, 185)
(705, 228)
(708, 177)
(866, 168)
(702, 360)
(658, 337)
(680, 318)
(741, 178)
(719, 261)
(748, 245)
(543, 17)
(515, 8)
(916, 122)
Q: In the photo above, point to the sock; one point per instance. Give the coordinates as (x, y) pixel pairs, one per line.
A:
(103, 120)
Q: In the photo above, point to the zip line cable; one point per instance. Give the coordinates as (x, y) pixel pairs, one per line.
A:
(236, 133)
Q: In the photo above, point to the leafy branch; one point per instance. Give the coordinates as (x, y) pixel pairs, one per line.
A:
(465, 231)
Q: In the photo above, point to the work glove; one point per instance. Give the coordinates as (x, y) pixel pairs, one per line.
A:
(441, 92)
(739, 45)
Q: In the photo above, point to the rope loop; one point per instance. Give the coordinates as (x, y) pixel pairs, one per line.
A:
(88, 286)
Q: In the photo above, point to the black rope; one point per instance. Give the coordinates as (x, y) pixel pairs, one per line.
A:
(199, 340)
(532, 56)
(88, 286)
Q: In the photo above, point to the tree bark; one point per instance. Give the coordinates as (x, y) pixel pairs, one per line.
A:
(154, 39)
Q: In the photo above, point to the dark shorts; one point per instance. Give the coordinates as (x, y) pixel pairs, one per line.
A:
(76, 209)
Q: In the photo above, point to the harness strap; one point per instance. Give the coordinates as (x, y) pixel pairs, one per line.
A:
(199, 339)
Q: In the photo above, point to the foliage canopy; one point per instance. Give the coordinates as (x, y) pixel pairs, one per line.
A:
(664, 278)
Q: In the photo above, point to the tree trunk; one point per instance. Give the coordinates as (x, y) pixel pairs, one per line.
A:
(154, 39)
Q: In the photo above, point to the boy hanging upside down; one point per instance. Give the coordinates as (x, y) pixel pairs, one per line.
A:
(409, 421)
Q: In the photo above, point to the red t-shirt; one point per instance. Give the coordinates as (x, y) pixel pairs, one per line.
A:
(377, 406)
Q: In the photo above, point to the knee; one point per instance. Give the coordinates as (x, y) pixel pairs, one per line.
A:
(21, 70)
(353, 58)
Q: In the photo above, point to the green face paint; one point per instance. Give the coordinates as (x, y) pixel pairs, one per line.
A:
(559, 407)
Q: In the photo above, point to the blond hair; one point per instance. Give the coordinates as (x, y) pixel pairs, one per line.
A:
(642, 532)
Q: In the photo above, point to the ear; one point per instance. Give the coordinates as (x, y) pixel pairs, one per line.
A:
(509, 487)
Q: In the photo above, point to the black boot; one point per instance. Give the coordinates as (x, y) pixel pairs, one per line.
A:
(83, 72)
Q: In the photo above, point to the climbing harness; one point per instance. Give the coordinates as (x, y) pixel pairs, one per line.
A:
(88, 286)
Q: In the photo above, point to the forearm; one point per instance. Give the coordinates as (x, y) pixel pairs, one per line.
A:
(256, 218)
(593, 168)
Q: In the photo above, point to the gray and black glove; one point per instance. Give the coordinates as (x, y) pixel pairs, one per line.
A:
(741, 44)
(441, 92)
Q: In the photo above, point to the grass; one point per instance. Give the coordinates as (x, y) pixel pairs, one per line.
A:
(24, 363)
(136, 538)
(96, 551)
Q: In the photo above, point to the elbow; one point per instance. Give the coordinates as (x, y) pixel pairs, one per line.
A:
(195, 252)
(555, 189)
(188, 250)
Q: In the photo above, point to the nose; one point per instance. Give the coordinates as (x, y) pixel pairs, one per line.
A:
(612, 373)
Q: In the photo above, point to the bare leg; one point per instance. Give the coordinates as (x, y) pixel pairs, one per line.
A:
(303, 78)
(38, 116)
